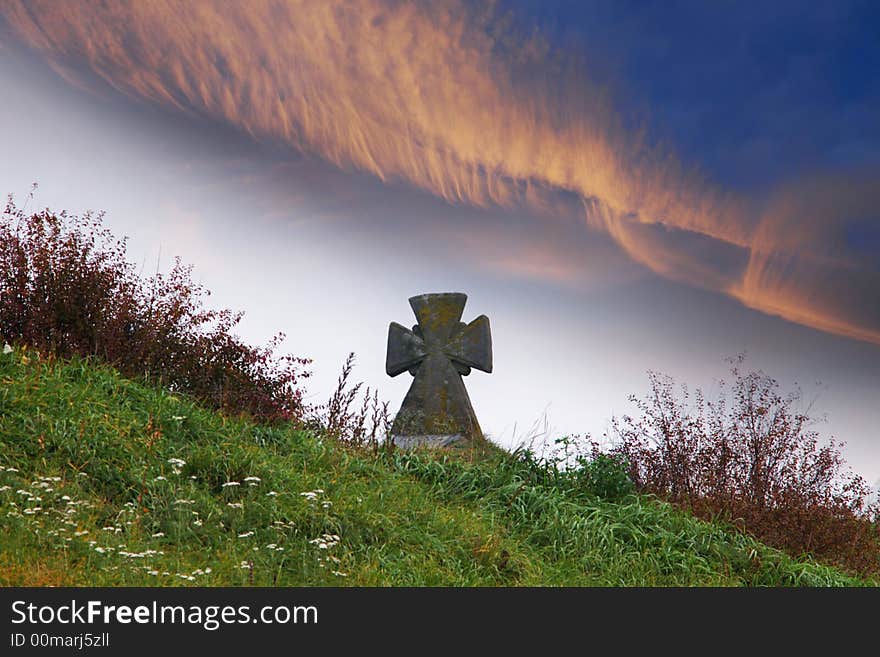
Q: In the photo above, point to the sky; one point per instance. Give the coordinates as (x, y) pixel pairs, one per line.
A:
(619, 186)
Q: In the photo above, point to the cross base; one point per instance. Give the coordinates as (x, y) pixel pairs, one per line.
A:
(432, 441)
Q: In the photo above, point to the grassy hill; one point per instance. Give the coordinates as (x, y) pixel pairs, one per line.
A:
(105, 481)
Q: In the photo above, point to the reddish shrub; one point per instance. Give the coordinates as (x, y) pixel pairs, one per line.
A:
(752, 458)
(67, 289)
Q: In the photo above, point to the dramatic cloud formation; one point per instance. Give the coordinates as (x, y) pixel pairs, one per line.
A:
(449, 99)
(812, 260)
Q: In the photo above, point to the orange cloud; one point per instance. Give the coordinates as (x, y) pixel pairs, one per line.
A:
(801, 265)
(436, 96)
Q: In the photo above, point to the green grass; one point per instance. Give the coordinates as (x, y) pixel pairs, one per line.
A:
(91, 494)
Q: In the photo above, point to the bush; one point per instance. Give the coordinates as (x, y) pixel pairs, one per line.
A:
(67, 289)
(751, 457)
(575, 464)
(607, 476)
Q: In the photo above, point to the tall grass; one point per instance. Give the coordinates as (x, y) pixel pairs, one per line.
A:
(630, 540)
(108, 481)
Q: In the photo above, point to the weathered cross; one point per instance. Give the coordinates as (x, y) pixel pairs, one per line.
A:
(438, 351)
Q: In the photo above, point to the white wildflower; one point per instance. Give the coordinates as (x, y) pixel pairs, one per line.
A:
(326, 541)
(231, 483)
(246, 534)
(132, 555)
(176, 464)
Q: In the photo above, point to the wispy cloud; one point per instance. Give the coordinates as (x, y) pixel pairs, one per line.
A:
(444, 97)
(805, 264)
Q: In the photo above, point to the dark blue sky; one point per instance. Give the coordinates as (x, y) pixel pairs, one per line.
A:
(754, 93)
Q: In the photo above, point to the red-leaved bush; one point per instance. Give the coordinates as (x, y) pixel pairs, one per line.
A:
(67, 289)
(752, 458)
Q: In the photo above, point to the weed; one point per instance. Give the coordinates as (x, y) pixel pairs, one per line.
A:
(750, 457)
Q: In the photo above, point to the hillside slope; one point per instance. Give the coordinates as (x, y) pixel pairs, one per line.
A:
(104, 481)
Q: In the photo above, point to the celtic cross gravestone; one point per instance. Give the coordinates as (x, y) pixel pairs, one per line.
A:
(437, 351)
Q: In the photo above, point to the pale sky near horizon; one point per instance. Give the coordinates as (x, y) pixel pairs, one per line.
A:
(329, 252)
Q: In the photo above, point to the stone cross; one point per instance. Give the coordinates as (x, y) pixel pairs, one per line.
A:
(438, 351)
